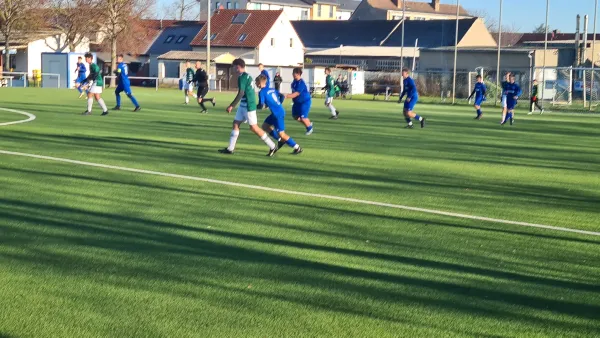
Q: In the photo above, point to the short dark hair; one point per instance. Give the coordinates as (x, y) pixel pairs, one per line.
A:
(297, 70)
(88, 55)
(79, 57)
(478, 76)
(239, 62)
(405, 70)
(327, 69)
(260, 64)
(261, 78)
(120, 55)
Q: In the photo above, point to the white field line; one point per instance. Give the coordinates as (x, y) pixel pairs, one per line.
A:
(299, 193)
(288, 192)
(30, 116)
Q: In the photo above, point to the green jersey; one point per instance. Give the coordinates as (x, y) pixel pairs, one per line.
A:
(534, 91)
(95, 69)
(249, 99)
(189, 74)
(330, 86)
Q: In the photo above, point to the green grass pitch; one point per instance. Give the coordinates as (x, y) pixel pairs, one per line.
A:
(97, 252)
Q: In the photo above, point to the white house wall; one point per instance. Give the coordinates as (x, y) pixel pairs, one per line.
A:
(281, 54)
(52, 44)
(293, 13)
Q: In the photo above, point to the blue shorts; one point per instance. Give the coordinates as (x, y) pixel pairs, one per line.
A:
(479, 101)
(301, 109)
(410, 105)
(81, 78)
(123, 88)
(511, 104)
(278, 122)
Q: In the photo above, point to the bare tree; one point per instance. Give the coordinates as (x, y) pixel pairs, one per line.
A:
(75, 20)
(184, 10)
(492, 23)
(17, 17)
(119, 18)
(540, 29)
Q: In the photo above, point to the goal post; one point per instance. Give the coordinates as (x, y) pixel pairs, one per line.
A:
(144, 80)
(14, 79)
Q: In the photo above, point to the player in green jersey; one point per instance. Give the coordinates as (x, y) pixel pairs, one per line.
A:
(188, 85)
(93, 84)
(330, 94)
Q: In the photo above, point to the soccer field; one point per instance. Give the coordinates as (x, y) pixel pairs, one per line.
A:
(133, 225)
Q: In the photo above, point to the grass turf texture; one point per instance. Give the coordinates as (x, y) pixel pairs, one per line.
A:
(97, 252)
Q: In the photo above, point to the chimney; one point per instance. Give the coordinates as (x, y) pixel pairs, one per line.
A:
(436, 5)
(583, 57)
(577, 40)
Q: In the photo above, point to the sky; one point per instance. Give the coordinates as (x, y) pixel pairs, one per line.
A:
(525, 15)
(528, 14)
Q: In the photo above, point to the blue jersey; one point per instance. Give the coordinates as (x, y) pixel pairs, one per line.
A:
(504, 87)
(512, 90)
(266, 74)
(81, 69)
(479, 91)
(410, 89)
(123, 74)
(299, 86)
(270, 97)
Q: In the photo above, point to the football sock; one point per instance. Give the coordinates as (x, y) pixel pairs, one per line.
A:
(290, 142)
(102, 104)
(202, 105)
(79, 89)
(90, 102)
(309, 128)
(419, 118)
(233, 139)
(133, 100)
(407, 120)
(479, 112)
(274, 135)
(118, 100)
(332, 110)
(187, 98)
(265, 138)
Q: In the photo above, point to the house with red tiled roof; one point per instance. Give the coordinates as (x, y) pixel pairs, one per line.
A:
(257, 36)
(415, 10)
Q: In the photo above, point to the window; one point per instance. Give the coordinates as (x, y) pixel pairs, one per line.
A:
(240, 18)
(319, 10)
(330, 11)
(169, 38)
(396, 17)
(217, 5)
(272, 42)
(236, 5)
(304, 15)
(256, 6)
(212, 36)
(228, 5)
(291, 42)
(181, 38)
(243, 37)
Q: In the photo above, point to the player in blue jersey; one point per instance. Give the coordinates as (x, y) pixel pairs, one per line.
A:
(81, 72)
(275, 123)
(513, 91)
(412, 96)
(479, 93)
(302, 100)
(503, 100)
(124, 85)
(265, 73)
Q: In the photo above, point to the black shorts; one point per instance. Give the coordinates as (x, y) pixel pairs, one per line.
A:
(202, 91)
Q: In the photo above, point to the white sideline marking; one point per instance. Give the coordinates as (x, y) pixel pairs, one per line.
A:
(31, 117)
(299, 193)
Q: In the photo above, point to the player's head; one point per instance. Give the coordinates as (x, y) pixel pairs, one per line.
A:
(534, 81)
(79, 59)
(479, 78)
(327, 71)
(89, 57)
(261, 67)
(261, 81)
(405, 73)
(508, 76)
(239, 65)
(187, 63)
(297, 73)
(198, 65)
(512, 78)
(120, 58)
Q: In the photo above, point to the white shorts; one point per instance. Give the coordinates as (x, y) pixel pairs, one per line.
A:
(188, 86)
(95, 89)
(503, 101)
(244, 116)
(328, 100)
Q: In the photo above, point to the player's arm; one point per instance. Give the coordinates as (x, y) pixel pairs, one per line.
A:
(472, 93)
(239, 96)
(94, 72)
(519, 92)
